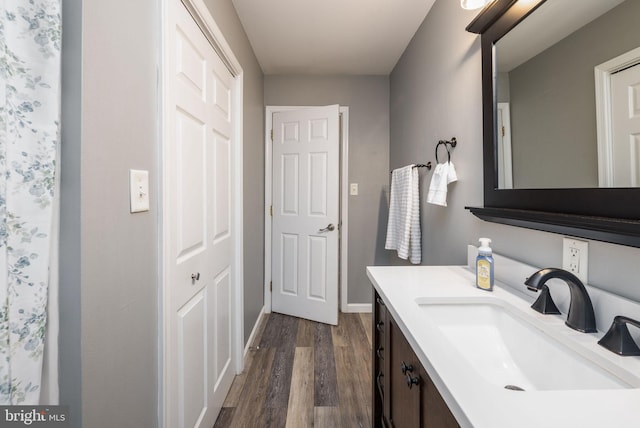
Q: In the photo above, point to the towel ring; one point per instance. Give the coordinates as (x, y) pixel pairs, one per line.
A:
(446, 145)
(441, 142)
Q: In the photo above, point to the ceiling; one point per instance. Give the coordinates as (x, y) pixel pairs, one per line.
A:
(330, 36)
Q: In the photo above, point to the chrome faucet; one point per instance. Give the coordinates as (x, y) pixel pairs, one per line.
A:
(580, 316)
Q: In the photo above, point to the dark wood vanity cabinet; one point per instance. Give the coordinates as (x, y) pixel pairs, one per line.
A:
(403, 394)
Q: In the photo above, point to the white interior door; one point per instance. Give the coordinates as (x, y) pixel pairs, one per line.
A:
(199, 259)
(625, 109)
(306, 213)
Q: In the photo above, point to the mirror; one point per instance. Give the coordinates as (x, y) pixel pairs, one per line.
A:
(580, 208)
(547, 102)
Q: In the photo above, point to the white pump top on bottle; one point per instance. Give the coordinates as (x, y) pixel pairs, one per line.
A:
(484, 248)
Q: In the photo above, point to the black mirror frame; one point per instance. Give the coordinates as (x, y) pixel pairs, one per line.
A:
(609, 215)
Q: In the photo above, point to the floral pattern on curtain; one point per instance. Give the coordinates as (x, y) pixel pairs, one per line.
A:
(30, 38)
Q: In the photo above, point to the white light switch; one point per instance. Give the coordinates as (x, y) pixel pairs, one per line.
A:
(353, 190)
(139, 190)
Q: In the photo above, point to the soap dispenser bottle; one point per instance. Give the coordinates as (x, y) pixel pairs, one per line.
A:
(484, 266)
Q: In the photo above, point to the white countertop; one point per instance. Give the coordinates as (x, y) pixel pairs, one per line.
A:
(473, 400)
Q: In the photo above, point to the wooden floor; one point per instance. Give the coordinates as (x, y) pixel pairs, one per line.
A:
(304, 374)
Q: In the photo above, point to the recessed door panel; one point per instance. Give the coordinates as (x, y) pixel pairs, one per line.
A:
(318, 130)
(191, 150)
(290, 184)
(220, 303)
(222, 187)
(634, 100)
(190, 65)
(222, 96)
(191, 361)
(317, 262)
(289, 265)
(318, 184)
(290, 132)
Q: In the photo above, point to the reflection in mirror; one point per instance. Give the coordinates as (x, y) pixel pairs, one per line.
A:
(551, 131)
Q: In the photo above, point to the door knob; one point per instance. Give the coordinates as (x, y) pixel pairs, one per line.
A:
(329, 228)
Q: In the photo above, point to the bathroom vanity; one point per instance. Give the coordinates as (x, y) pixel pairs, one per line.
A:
(447, 354)
(404, 394)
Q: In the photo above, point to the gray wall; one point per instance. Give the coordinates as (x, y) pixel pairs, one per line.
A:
(119, 250)
(556, 88)
(108, 266)
(108, 283)
(435, 95)
(368, 100)
(253, 164)
(435, 92)
(69, 339)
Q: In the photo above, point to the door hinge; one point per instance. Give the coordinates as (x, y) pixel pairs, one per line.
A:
(271, 210)
(272, 135)
(270, 285)
(503, 131)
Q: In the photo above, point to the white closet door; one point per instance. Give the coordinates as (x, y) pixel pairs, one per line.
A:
(198, 345)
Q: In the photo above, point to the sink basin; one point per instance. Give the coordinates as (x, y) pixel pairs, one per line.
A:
(512, 350)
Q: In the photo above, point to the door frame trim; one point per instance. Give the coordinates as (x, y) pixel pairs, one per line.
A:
(344, 204)
(205, 21)
(604, 121)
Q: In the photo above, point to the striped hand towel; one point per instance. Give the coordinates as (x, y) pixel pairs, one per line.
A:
(403, 228)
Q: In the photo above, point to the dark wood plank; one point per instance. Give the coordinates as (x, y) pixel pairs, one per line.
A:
(273, 388)
(237, 386)
(275, 417)
(251, 408)
(284, 340)
(278, 327)
(225, 417)
(324, 368)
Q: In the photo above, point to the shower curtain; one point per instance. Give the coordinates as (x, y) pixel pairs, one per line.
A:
(30, 38)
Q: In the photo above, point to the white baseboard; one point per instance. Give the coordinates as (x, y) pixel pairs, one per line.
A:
(253, 334)
(358, 307)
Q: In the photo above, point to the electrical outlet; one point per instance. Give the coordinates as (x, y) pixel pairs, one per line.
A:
(575, 257)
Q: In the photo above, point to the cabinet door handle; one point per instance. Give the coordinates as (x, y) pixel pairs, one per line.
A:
(379, 381)
(412, 381)
(406, 368)
(379, 352)
(379, 300)
(379, 326)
